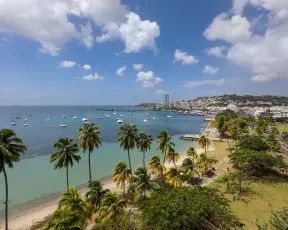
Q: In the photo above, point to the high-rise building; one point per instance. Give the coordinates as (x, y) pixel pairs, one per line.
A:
(166, 100)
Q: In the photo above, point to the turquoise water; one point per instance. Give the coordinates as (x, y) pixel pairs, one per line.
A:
(34, 177)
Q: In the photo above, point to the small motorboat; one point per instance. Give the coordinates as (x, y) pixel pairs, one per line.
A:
(120, 121)
(63, 125)
(13, 123)
(75, 117)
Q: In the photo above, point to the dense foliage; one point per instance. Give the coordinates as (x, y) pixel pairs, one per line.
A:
(254, 143)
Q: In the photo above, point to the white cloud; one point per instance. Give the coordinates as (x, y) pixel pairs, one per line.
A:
(148, 80)
(160, 91)
(137, 67)
(210, 69)
(184, 57)
(67, 64)
(191, 84)
(234, 29)
(216, 51)
(135, 33)
(121, 71)
(50, 24)
(4, 39)
(91, 77)
(87, 67)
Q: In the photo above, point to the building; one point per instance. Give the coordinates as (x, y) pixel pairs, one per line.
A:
(166, 103)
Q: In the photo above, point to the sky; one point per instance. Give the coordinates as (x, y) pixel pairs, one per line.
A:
(124, 52)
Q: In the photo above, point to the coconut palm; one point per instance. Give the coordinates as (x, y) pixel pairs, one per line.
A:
(143, 144)
(72, 200)
(188, 166)
(156, 166)
(128, 138)
(205, 161)
(67, 152)
(64, 219)
(111, 208)
(95, 193)
(122, 174)
(204, 142)
(172, 156)
(90, 138)
(173, 177)
(164, 143)
(143, 183)
(191, 153)
(11, 147)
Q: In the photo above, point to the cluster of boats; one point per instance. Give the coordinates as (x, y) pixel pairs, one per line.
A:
(194, 113)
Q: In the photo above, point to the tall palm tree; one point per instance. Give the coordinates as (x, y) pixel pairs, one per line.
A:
(173, 177)
(128, 138)
(11, 147)
(204, 142)
(172, 156)
(67, 152)
(191, 152)
(164, 143)
(143, 144)
(205, 161)
(65, 219)
(90, 138)
(122, 174)
(156, 166)
(111, 208)
(189, 168)
(95, 193)
(143, 183)
(72, 200)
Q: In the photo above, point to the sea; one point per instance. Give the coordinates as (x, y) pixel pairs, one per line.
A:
(33, 179)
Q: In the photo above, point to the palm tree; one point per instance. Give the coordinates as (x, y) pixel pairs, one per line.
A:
(205, 161)
(122, 174)
(191, 152)
(128, 138)
(111, 208)
(64, 219)
(156, 166)
(173, 177)
(143, 183)
(188, 167)
(204, 142)
(72, 200)
(90, 138)
(164, 143)
(10, 149)
(67, 152)
(172, 156)
(95, 193)
(143, 144)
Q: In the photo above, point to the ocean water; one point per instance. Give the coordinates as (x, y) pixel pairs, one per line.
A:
(34, 177)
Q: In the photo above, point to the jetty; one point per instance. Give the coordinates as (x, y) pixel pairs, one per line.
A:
(190, 137)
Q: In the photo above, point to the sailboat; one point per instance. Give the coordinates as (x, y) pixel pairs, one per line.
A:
(18, 117)
(13, 122)
(99, 116)
(154, 117)
(64, 125)
(64, 116)
(75, 117)
(169, 116)
(26, 119)
(114, 113)
(145, 120)
(120, 121)
(107, 115)
(48, 118)
(25, 123)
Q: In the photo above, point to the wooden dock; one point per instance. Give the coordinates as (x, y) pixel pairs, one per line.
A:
(190, 137)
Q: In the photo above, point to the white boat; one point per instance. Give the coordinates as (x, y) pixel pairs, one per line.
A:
(64, 116)
(117, 118)
(25, 124)
(120, 121)
(121, 115)
(75, 117)
(145, 120)
(48, 118)
(99, 116)
(26, 119)
(114, 113)
(107, 115)
(87, 122)
(13, 123)
(84, 119)
(169, 116)
(154, 118)
(64, 125)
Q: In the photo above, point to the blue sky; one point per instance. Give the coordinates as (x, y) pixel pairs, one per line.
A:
(187, 48)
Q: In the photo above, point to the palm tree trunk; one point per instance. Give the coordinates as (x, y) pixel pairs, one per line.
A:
(6, 198)
(144, 159)
(124, 189)
(89, 162)
(164, 158)
(129, 158)
(174, 162)
(67, 178)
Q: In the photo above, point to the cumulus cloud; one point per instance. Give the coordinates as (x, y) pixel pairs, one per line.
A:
(135, 33)
(263, 54)
(92, 77)
(236, 28)
(148, 80)
(184, 57)
(49, 23)
(137, 67)
(210, 69)
(192, 84)
(120, 71)
(67, 64)
(217, 51)
(87, 67)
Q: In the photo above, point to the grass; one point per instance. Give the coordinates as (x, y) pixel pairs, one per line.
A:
(267, 196)
(221, 149)
(282, 127)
